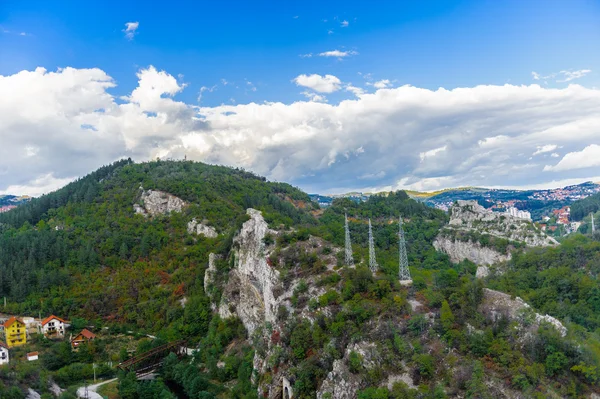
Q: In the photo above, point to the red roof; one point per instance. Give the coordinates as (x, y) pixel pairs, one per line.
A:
(87, 334)
(12, 320)
(30, 354)
(2, 344)
(51, 317)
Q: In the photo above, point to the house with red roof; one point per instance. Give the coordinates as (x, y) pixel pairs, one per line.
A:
(53, 327)
(82, 338)
(15, 332)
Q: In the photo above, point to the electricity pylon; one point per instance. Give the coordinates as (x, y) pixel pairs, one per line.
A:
(404, 272)
(372, 261)
(349, 258)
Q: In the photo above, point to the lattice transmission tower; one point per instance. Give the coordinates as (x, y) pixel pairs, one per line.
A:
(593, 227)
(349, 258)
(372, 260)
(404, 272)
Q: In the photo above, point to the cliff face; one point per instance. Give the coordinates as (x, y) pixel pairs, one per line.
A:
(249, 291)
(153, 203)
(497, 304)
(470, 224)
(473, 251)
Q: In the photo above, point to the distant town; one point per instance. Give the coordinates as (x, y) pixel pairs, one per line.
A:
(549, 208)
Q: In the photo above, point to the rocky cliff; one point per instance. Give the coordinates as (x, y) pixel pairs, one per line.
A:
(195, 227)
(153, 203)
(485, 237)
(249, 291)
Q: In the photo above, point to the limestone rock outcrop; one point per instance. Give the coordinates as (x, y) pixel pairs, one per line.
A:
(249, 291)
(468, 218)
(194, 227)
(154, 203)
(496, 305)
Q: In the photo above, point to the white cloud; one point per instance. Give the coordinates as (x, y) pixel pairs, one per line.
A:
(312, 96)
(357, 91)
(545, 148)
(586, 158)
(572, 75)
(207, 89)
(321, 84)
(382, 84)
(344, 24)
(56, 126)
(337, 53)
(307, 55)
(562, 76)
(131, 29)
(432, 153)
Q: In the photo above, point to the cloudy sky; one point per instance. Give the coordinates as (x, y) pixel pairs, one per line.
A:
(330, 96)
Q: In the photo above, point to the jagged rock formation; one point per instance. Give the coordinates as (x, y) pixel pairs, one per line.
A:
(496, 305)
(470, 221)
(201, 229)
(341, 382)
(153, 203)
(249, 291)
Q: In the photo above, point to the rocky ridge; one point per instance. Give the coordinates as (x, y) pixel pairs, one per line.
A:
(468, 217)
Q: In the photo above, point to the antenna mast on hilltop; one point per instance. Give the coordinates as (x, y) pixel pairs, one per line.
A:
(404, 273)
(349, 258)
(372, 261)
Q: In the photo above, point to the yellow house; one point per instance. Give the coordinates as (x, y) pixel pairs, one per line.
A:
(15, 333)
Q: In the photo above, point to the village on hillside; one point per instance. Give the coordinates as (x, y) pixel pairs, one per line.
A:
(17, 331)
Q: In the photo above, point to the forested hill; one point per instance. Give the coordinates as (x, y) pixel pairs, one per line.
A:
(582, 208)
(84, 252)
(82, 249)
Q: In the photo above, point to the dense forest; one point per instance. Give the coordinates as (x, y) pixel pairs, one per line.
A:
(82, 253)
(582, 208)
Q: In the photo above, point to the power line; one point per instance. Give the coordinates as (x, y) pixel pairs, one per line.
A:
(372, 261)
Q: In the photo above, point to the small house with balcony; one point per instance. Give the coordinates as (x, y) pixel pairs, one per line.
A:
(15, 333)
(53, 327)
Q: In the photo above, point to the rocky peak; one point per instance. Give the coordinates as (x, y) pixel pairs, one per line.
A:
(249, 291)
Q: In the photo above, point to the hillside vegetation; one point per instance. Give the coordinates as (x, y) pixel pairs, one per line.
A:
(82, 252)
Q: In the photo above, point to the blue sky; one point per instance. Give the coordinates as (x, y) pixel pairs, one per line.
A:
(244, 52)
(427, 44)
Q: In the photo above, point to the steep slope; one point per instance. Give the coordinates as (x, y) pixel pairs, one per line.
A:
(252, 274)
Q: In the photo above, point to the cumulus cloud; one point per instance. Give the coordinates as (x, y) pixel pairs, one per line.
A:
(344, 24)
(382, 84)
(131, 29)
(318, 83)
(586, 158)
(58, 125)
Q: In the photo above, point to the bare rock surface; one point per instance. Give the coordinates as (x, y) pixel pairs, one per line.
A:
(249, 291)
(497, 304)
(470, 217)
(194, 227)
(154, 203)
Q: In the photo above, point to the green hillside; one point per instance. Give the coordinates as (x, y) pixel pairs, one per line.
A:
(82, 253)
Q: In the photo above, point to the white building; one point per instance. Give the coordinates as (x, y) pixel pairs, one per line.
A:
(3, 354)
(31, 356)
(512, 211)
(53, 327)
